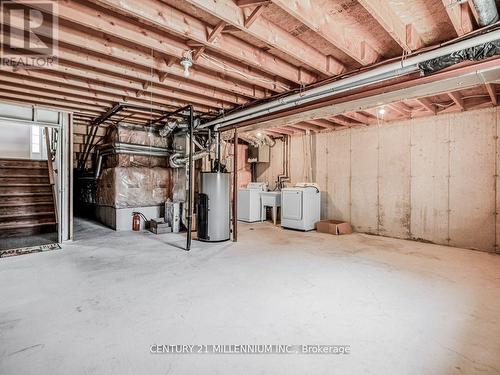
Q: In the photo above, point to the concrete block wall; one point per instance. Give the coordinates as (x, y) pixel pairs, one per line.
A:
(433, 179)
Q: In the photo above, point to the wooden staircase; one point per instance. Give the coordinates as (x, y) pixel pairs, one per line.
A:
(26, 198)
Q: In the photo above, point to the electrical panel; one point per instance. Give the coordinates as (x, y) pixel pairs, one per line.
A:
(261, 154)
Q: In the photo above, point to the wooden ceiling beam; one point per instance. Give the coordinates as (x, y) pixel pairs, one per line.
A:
(49, 103)
(299, 129)
(345, 121)
(404, 34)
(457, 98)
(492, 92)
(125, 75)
(272, 133)
(63, 91)
(308, 126)
(460, 16)
(285, 131)
(168, 72)
(320, 21)
(63, 97)
(271, 34)
(428, 105)
(360, 118)
(79, 128)
(395, 107)
(170, 97)
(161, 46)
(251, 3)
(322, 123)
(80, 87)
(171, 20)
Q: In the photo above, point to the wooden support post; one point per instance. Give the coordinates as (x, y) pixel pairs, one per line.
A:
(235, 186)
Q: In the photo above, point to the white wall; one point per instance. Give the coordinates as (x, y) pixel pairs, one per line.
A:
(432, 179)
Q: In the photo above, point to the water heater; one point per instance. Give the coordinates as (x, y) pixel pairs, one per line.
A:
(214, 208)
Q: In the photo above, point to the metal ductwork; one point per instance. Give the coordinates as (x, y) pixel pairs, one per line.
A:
(179, 160)
(487, 12)
(476, 53)
(377, 75)
(168, 128)
(125, 148)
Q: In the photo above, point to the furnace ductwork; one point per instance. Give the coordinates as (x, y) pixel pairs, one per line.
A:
(487, 12)
(476, 53)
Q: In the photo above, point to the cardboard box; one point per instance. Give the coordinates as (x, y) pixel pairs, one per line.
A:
(333, 227)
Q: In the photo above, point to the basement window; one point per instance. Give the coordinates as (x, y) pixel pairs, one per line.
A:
(35, 139)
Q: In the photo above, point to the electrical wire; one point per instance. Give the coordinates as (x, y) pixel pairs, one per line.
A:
(227, 68)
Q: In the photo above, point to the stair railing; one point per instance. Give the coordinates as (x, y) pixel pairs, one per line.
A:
(51, 152)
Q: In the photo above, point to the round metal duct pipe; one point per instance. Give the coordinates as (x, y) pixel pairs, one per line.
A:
(487, 12)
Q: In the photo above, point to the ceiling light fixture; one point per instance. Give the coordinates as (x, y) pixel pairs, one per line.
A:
(187, 62)
(381, 111)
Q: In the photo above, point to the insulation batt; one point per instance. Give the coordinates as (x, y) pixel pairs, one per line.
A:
(129, 134)
(127, 160)
(133, 187)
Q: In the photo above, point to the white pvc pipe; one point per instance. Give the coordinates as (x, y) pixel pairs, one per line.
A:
(379, 74)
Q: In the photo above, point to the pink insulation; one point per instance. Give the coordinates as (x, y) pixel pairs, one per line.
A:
(127, 160)
(244, 171)
(133, 187)
(134, 135)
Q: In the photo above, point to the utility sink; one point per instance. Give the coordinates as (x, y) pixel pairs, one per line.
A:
(270, 199)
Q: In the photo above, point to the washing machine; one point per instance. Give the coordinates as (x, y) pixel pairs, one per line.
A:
(249, 202)
(300, 206)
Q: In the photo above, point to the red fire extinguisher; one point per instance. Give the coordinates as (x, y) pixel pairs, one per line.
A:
(136, 221)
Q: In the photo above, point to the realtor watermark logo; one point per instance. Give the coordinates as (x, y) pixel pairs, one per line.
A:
(250, 349)
(28, 34)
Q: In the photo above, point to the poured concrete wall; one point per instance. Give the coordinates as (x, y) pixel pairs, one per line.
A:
(433, 179)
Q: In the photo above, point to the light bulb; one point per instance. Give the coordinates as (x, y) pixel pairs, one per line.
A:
(259, 134)
(186, 63)
(381, 111)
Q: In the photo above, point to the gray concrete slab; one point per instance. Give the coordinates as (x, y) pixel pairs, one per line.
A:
(97, 305)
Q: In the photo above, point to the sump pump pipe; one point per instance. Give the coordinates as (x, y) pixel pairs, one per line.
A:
(380, 74)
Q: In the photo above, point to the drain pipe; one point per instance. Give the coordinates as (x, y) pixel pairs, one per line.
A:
(380, 74)
(190, 180)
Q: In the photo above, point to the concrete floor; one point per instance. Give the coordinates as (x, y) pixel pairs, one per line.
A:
(97, 306)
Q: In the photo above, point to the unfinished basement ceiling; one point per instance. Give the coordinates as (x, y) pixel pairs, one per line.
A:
(127, 51)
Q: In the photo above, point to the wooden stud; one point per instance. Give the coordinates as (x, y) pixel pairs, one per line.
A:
(460, 16)
(492, 92)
